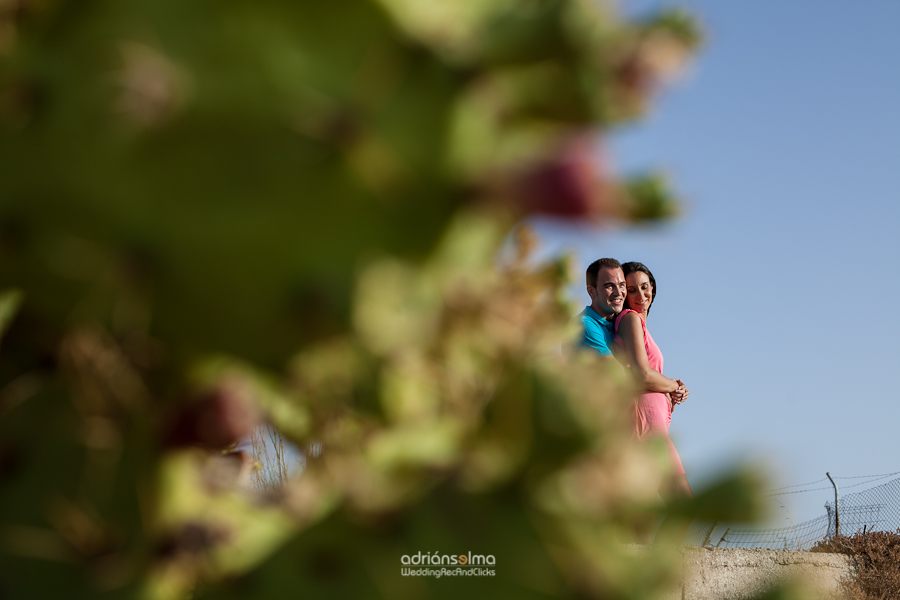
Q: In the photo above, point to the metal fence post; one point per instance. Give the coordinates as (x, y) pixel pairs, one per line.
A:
(837, 511)
(708, 534)
(723, 536)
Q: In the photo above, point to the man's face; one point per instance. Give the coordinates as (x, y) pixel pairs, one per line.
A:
(608, 297)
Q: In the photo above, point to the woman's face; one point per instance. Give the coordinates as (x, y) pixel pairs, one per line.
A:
(639, 291)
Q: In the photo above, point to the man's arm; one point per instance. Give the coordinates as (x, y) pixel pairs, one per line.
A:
(594, 338)
(610, 360)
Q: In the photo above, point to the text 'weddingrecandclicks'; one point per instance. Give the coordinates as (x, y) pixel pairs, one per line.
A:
(460, 565)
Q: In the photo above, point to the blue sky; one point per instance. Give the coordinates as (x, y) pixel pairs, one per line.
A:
(777, 287)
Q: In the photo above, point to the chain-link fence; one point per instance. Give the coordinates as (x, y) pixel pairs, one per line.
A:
(875, 509)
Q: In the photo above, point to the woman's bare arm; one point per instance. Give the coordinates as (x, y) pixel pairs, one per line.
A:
(633, 335)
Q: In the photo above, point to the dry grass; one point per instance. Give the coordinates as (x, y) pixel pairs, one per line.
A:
(876, 557)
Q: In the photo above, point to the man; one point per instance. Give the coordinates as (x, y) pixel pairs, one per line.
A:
(606, 287)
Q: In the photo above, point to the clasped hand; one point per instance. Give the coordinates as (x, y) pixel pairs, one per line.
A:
(681, 394)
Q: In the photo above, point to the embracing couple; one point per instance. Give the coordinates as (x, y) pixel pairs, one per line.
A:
(615, 326)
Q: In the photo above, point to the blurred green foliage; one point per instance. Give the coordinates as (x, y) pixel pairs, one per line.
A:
(217, 215)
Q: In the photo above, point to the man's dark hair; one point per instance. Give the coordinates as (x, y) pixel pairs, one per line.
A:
(632, 267)
(594, 268)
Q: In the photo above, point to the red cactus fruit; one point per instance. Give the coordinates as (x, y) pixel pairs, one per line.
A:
(569, 184)
(216, 420)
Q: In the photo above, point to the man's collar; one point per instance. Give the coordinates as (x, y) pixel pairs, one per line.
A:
(598, 316)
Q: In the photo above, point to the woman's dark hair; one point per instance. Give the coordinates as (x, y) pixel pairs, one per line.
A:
(633, 267)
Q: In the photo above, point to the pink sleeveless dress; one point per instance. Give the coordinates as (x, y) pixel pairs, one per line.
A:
(652, 410)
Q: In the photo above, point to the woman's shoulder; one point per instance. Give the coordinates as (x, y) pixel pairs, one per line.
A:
(628, 316)
(627, 313)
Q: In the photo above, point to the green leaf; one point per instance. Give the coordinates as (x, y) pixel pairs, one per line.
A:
(10, 301)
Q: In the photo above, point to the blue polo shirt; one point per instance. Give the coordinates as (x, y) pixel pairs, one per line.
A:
(598, 332)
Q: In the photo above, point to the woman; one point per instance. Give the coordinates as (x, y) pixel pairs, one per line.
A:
(653, 408)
